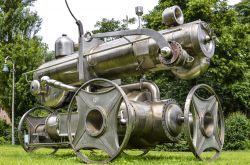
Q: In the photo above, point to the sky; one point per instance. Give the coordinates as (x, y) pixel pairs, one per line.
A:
(56, 19)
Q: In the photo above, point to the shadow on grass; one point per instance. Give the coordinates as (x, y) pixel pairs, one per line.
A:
(156, 157)
(162, 156)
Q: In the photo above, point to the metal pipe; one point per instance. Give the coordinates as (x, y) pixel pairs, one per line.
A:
(122, 57)
(152, 87)
(13, 104)
(57, 84)
(6, 70)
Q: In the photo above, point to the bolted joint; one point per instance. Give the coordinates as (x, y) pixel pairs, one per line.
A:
(166, 52)
(44, 80)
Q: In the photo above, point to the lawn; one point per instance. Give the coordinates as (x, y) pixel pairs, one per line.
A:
(14, 155)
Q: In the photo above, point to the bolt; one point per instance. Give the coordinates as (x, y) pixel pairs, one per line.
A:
(166, 52)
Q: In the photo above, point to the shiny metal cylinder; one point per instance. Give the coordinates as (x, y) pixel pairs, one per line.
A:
(64, 46)
(155, 122)
(172, 16)
(132, 55)
(52, 127)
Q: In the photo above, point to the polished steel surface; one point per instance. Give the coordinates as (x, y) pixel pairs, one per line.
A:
(136, 54)
(205, 130)
(57, 84)
(150, 86)
(56, 126)
(35, 88)
(64, 46)
(110, 116)
(97, 126)
(172, 16)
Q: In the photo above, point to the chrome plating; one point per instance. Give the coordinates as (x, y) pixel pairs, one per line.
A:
(111, 116)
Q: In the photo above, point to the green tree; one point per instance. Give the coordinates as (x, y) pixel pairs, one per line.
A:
(243, 9)
(19, 26)
(229, 70)
(109, 25)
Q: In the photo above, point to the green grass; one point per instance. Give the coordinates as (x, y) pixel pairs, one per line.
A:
(15, 155)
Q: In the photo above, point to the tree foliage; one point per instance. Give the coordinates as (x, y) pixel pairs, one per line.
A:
(109, 25)
(5, 132)
(19, 26)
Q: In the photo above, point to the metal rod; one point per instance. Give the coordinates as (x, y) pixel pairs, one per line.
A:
(13, 104)
(61, 85)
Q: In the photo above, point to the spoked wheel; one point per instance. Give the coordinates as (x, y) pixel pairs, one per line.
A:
(29, 123)
(204, 122)
(97, 129)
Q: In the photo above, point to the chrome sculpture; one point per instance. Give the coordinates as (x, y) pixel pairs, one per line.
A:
(106, 116)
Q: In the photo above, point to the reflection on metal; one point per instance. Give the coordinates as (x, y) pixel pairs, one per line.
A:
(64, 46)
(139, 13)
(172, 16)
(207, 130)
(106, 115)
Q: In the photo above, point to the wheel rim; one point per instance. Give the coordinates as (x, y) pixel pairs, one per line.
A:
(27, 117)
(99, 133)
(204, 122)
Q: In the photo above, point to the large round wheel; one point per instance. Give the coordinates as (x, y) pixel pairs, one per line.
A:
(27, 126)
(204, 122)
(97, 128)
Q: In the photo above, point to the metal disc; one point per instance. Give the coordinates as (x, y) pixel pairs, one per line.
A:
(204, 121)
(97, 127)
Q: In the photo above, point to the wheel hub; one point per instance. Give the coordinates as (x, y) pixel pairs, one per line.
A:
(96, 122)
(207, 124)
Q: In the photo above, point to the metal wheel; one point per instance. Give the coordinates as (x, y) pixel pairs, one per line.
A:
(204, 122)
(98, 122)
(28, 125)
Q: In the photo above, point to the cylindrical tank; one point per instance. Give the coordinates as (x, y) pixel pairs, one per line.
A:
(154, 122)
(64, 46)
(136, 54)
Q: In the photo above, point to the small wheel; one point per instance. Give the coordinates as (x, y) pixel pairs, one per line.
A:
(204, 121)
(97, 129)
(27, 125)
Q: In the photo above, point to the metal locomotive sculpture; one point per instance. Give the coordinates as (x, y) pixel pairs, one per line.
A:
(105, 116)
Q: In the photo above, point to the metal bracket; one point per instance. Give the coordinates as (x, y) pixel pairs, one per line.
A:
(159, 38)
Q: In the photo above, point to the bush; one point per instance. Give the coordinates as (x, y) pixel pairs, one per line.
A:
(5, 132)
(2, 140)
(237, 132)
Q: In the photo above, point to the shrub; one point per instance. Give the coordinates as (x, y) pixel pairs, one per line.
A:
(2, 140)
(5, 132)
(237, 132)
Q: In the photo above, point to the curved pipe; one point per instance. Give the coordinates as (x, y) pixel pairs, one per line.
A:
(152, 87)
(194, 72)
